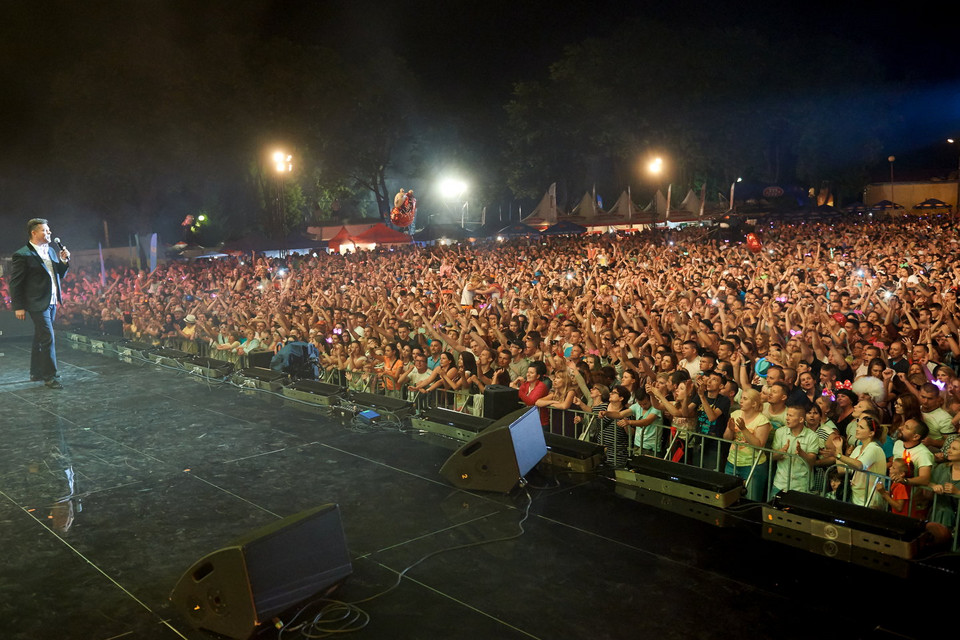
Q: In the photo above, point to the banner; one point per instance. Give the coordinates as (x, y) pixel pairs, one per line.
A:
(103, 271)
(153, 252)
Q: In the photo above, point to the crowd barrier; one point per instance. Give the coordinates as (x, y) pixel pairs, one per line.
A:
(700, 450)
(205, 349)
(760, 464)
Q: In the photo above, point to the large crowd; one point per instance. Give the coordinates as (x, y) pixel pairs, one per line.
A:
(827, 358)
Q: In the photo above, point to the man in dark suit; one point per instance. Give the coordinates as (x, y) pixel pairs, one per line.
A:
(35, 289)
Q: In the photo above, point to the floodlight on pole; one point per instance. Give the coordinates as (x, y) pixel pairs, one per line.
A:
(451, 188)
(283, 164)
(956, 206)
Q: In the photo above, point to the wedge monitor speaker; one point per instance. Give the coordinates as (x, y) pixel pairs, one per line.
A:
(234, 590)
(500, 455)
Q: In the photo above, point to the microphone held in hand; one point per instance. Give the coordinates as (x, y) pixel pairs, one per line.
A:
(59, 244)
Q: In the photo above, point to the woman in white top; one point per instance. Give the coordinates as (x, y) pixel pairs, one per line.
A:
(866, 456)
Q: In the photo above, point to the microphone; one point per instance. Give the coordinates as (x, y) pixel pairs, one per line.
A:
(59, 244)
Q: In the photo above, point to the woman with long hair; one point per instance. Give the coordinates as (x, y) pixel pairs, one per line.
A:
(867, 456)
(906, 407)
(610, 435)
(560, 398)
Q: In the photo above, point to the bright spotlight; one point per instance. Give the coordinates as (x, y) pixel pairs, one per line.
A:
(452, 188)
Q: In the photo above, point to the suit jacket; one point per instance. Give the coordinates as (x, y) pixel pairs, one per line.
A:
(29, 280)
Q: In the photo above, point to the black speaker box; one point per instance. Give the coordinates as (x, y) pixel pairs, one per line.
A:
(260, 359)
(572, 454)
(234, 590)
(313, 392)
(707, 479)
(499, 400)
(210, 367)
(10, 327)
(113, 327)
(453, 424)
(874, 521)
(384, 404)
(456, 419)
(500, 455)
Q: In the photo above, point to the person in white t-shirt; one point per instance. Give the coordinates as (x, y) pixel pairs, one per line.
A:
(866, 456)
(919, 461)
(793, 473)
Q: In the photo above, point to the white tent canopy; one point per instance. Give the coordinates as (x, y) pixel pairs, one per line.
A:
(624, 207)
(546, 211)
(690, 203)
(588, 207)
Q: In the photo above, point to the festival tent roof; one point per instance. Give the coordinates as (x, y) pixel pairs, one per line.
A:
(885, 205)
(341, 237)
(588, 207)
(565, 227)
(624, 208)
(545, 212)
(330, 231)
(517, 229)
(658, 205)
(691, 203)
(932, 203)
(382, 234)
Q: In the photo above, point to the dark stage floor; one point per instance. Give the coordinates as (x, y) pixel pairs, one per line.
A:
(166, 468)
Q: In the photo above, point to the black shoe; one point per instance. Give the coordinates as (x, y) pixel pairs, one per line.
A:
(53, 384)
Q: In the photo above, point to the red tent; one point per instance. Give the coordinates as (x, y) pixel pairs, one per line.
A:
(341, 236)
(381, 234)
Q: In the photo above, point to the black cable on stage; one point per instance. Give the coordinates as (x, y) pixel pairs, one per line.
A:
(346, 617)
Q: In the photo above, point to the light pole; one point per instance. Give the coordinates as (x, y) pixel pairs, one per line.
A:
(655, 168)
(283, 164)
(956, 205)
(733, 189)
(890, 159)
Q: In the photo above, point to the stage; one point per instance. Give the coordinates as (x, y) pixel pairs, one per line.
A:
(112, 487)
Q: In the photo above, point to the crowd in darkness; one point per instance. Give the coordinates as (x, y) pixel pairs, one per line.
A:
(836, 344)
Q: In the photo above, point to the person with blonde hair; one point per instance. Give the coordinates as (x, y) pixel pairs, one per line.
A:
(748, 427)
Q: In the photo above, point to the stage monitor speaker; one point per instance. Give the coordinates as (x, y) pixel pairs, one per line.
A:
(499, 400)
(399, 407)
(500, 455)
(208, 367)
(572, 454)
(682, 481)
(258, 378)
(453, 424)
(313, 392)
(260, 359)
(236, 589)
(845, 523)
(11, 328)
(113, 328)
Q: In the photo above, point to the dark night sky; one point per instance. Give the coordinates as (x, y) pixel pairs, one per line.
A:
(475, 43)
(472, 51)
(468, 53)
